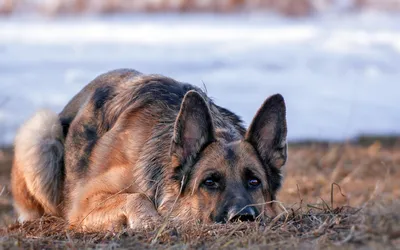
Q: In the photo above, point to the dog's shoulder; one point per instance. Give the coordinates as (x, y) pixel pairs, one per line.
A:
(98, 89)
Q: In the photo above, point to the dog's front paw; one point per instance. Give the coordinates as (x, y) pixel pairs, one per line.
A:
(141, 213)
(144, 222)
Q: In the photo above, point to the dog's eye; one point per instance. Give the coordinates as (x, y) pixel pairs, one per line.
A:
(210, 183)
(254, 182)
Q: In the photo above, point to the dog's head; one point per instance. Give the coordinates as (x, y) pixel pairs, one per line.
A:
(227, 181)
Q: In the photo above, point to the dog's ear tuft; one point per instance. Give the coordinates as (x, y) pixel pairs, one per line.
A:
(193, 129)
(267, 132)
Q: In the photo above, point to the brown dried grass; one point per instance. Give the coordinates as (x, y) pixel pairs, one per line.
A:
(335, 196)
(305, 227)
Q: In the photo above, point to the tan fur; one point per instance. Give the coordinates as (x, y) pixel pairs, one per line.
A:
(100, 200)
(99, 206)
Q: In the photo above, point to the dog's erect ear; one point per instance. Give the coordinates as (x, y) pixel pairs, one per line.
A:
(267, 132)
(193, 129)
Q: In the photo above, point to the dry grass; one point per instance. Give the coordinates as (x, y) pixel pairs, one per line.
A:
(365, 216)
(314, 228)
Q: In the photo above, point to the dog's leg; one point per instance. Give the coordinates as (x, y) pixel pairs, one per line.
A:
(112, 212)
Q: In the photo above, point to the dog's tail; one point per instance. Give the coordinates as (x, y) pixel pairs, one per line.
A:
(39, 153)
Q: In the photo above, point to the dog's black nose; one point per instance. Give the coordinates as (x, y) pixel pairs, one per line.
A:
(244, 214)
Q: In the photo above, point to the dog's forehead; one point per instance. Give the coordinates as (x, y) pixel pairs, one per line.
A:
(228, 158)
(239, 154)
(231, 153)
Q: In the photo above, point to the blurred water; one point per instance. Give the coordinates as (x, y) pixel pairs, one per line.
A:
(339, 75)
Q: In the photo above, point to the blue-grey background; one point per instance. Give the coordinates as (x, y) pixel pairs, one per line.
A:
(339, 73)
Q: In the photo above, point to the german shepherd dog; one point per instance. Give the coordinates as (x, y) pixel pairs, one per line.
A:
(131, 150)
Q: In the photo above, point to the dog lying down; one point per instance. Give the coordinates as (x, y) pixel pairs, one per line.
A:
(131, 149)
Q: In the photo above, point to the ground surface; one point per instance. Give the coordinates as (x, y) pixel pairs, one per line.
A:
(365, 214)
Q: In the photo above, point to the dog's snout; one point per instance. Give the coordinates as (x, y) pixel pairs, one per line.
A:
(244, 214)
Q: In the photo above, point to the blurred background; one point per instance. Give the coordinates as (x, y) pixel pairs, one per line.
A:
(337, 62)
